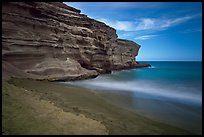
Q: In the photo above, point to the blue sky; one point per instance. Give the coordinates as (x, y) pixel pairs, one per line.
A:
(165, 30)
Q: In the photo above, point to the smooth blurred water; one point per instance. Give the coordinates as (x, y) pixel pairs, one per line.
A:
(170, 92)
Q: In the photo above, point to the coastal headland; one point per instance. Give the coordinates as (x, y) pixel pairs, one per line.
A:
(43, 42)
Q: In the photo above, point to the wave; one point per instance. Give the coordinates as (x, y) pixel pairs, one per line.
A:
(152, 67)
(145, 88)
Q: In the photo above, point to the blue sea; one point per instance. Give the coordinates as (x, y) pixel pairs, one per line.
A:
(169, 92)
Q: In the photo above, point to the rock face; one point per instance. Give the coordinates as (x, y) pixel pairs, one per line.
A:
(54, 41)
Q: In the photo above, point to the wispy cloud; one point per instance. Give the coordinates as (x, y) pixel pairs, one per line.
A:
(145, 37)
(119, 25)
(147, 23)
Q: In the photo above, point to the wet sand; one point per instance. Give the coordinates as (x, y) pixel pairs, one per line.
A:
(42, 107)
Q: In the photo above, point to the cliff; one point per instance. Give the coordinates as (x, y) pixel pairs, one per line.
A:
(54, 41)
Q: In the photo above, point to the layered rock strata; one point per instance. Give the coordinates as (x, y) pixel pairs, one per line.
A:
(54, 41)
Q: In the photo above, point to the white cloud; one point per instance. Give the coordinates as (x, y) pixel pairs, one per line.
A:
(146, 23)
(145, 37)
(119, 25)
(172, 22)
(159, 24)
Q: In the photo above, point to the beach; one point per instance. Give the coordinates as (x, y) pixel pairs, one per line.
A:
(42, 107)
(73, 69)
(169, 92)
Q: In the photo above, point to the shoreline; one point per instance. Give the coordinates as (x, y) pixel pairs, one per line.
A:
(79, 101)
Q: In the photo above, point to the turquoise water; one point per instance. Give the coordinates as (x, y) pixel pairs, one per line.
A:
(170, 92)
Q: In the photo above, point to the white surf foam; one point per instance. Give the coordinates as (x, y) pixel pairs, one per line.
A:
(142, 87)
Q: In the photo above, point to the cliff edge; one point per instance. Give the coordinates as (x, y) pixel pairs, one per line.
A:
(54, 41)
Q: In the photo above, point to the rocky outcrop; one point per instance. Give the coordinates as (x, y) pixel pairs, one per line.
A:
(54, 41)
(123, 54)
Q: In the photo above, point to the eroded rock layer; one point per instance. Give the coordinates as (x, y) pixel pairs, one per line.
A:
(54, 41)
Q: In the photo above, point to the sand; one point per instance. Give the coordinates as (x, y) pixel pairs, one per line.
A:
(42, 107)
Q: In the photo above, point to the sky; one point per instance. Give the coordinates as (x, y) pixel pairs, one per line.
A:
(166, 31)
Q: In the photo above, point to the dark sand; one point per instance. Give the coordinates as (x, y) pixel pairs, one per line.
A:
(41, 107)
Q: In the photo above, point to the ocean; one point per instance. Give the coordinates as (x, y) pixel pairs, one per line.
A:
(169, 92)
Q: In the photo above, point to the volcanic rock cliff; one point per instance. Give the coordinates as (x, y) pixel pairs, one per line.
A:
(54, 41)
